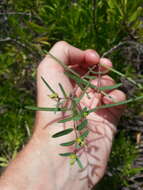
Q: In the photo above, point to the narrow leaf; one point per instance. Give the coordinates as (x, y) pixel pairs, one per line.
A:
(94, 72)
(136, 14)
(74, 118)
(62, 133)
(121, 74)
(79, 163)
(2, 159)
(79, 80)
(110, 87)
(3, 165)
(44, 109)
(82, 125)
(90, 77)
(85, 134)
(68, 143)
(66, 119)
(63, 91)
(66, 154)
(116, 104)
(78, 117)
(49, 87)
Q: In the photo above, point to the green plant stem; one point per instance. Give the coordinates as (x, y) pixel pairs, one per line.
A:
(63, 65)
(122, 75)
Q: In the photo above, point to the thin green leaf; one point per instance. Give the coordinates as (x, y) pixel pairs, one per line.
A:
(116, 104)
(136, 14)
(66, 154)
(68, 143)
(49, 87)
(110, 87)
(3, 164)
(82, 114)
(79, 163)
(121, 74)
(85, 134)
(82, 125)
(44, 109)
(90, 77)
(79, 80)
(77, 117)
(77, 100)
(65, 120)
(63, 91)
(74, 108)
(74, 118)
(3, 159)
(77, 146)
(62, 133)
(94, 72)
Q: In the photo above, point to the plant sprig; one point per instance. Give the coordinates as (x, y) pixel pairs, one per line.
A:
(77, 114)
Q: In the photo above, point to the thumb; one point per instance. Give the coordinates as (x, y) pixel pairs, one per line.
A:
(69, 55)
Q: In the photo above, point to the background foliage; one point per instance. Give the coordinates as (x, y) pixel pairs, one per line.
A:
(27, 28)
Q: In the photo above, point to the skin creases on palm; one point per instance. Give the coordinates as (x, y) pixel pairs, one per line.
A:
(94, 155)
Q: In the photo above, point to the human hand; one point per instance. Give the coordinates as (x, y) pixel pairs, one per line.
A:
(101, 124)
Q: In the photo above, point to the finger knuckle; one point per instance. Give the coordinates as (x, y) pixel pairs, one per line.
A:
(61, 43)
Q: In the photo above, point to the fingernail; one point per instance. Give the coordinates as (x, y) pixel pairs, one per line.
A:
(94, 54)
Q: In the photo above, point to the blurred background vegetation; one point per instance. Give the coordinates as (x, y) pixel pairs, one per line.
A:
(27, 28)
